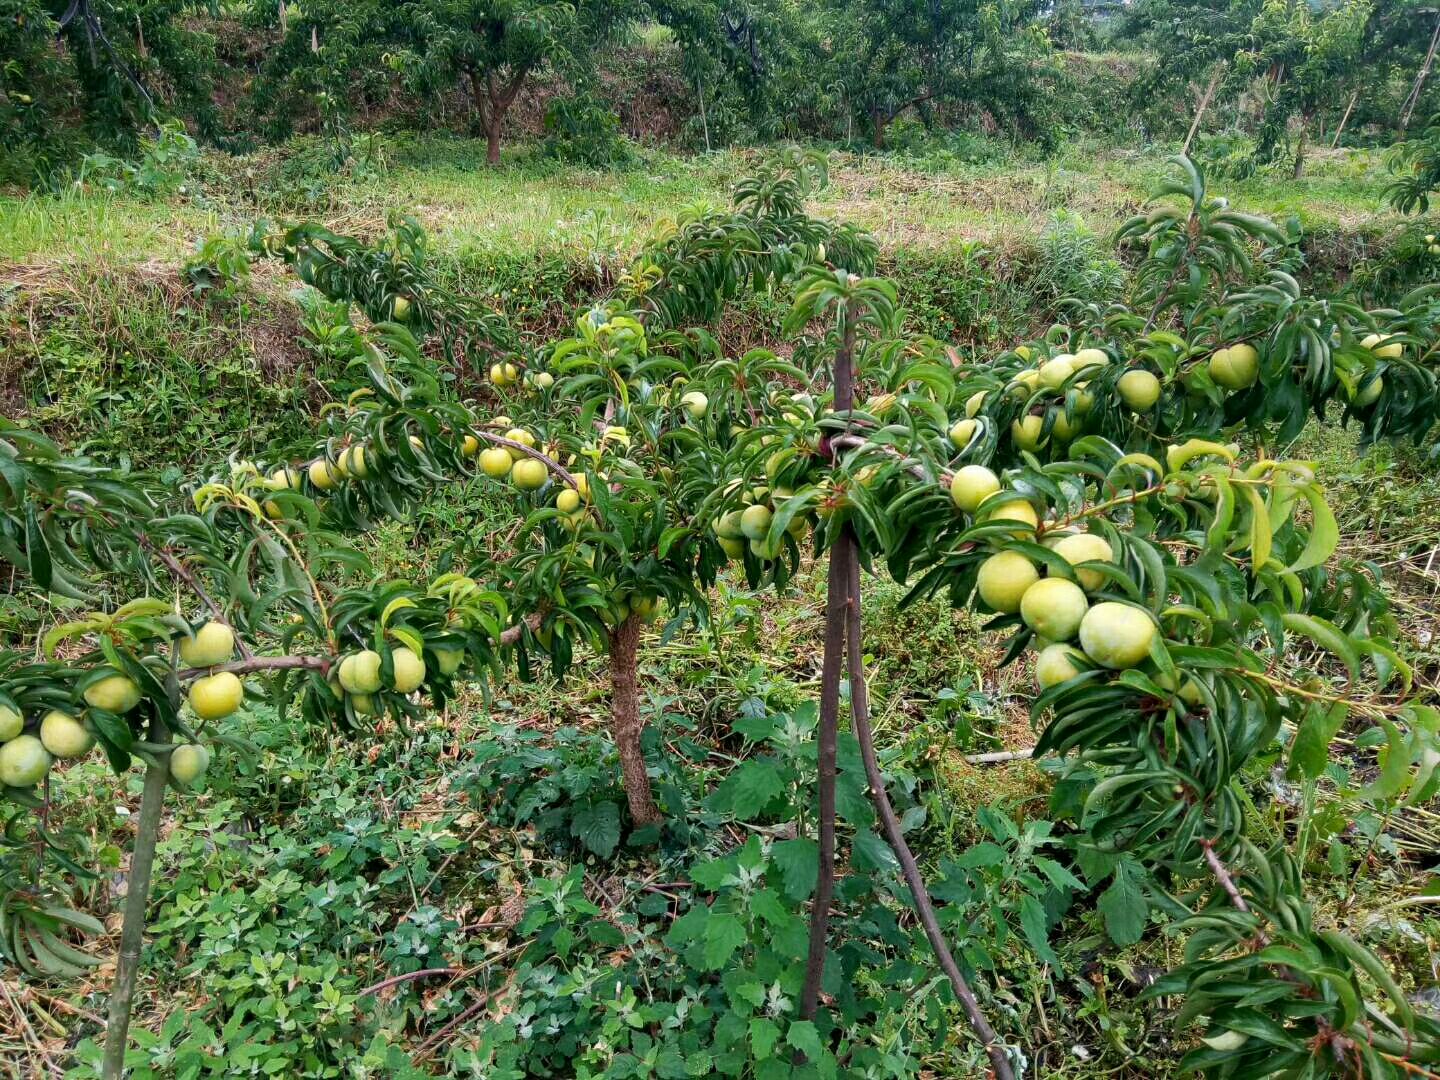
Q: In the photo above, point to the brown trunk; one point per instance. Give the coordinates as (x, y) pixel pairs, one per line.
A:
(625, 723)
(492, 101)
(924, 907)
(878, 122)
(492, 141)
(478, 122)
(838, 597)
(137, 896)
(1300, 149)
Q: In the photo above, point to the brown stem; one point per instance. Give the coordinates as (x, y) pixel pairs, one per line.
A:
(1222, 875)
(512, 635)
(259, 663)
(137, 896)
(427, 1048)
(409, 976)
(860, 713)
(626, 725)
(181, 571)
(836, 598)
(836, 594)
(323, 663)
(510, 444)
(914, 468)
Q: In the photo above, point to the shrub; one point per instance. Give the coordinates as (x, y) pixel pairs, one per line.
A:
(583, 129)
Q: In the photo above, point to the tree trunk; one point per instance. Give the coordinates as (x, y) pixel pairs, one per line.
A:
(626, 725)
(1300, 148)
(478, 120)
(492, 141)
(490, 105)
(878, 121)
(492, 102)
(834, 656)
(1413, 98)
(924, 908)
(137, 896)
(1200, 109)
(837, 598)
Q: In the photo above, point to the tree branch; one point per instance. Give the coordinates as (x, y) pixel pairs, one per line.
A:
(409, 976)
(1222, 875)
(510, 444)
(252, 664)
(915, 469)
(179, 570)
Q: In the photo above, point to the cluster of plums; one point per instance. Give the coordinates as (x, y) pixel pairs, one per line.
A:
(26, 756)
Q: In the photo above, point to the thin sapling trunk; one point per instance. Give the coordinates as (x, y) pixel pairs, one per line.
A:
(836, 599)
(837, 596)
(137, 896)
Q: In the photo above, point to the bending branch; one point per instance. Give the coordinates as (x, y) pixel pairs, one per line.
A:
(1222, 875)
(549, 462)
(322, 664)
(182, 572)
(860, 713)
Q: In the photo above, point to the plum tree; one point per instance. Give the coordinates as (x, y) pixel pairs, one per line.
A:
(1107, 700)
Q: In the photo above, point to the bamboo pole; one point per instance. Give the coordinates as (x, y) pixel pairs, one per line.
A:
(1200, 109)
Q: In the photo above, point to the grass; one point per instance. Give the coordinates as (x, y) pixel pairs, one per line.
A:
(406, 845)
(530, 203)
(91, 301)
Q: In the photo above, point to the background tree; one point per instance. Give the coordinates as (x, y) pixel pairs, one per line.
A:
(354, 53)
(494, 48)
(1195, 43)
(893, 57)
(77, 76)
(1416, 165)
(1306, 61)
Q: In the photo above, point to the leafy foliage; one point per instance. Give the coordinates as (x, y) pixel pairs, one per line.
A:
(584, 129)
(1416, 165)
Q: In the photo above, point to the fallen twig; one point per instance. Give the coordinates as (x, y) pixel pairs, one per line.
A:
(997, 757)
